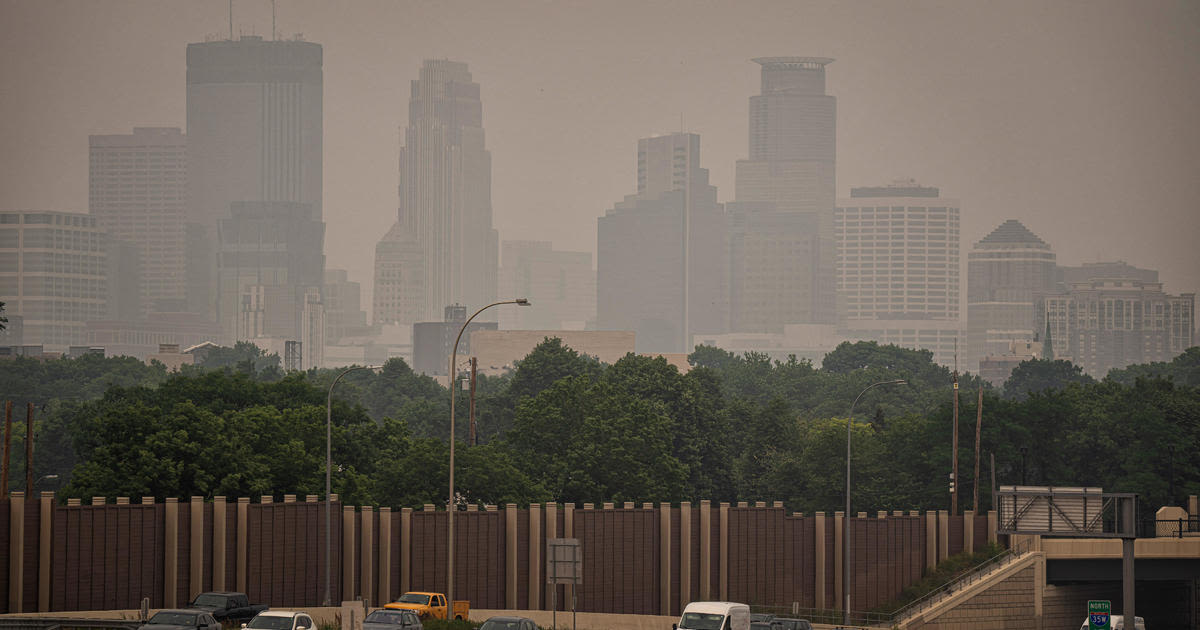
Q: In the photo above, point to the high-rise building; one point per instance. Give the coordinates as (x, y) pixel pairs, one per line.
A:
(1104, 323)
(662, 261)
(898, 268)
(1006, 272)
(54, 274)
(137, 190)
(269, 267)
(254, 134)
(443, 249)
(344, 316)
(783, 248)
(561, 285)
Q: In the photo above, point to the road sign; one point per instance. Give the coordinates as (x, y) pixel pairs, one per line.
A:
(1099, 614)
(564, 561)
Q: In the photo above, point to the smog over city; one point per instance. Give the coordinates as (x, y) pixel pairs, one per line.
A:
(1074, 119)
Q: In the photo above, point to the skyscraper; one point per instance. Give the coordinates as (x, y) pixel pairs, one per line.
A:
(898, 267)
(1006, 272)
(783, 247)
(444, 223)
(561, 284)
(137, 190)
(254, 134)
(662, 261)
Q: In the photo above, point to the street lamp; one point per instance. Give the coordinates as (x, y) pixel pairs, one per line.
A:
(450, 504)
(846, 518)
(329, 468)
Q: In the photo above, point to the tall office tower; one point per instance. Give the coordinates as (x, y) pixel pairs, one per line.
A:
(137, 190)
(662, 254)
(562, 286)
(898, 267)
(783, 248)
(269, 264)
(344, 316)
(54, 274)
(254, 134)
(1006, 271)
(445, 215)
(1107, 322)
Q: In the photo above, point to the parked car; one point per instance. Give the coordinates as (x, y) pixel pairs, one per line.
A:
(181, 620)
(761, 617)
(227, 606)
(792, 624)
(280, 620)
(431, 605)
(763, 625)
(385, 619)
(714, 616)
(508, 623)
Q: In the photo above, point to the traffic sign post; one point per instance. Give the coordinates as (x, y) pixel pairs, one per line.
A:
(564, 565)
(1099, 614)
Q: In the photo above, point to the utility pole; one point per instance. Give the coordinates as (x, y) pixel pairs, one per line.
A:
(978, 428)
(954, 473)
(7, 448)
(471, 438)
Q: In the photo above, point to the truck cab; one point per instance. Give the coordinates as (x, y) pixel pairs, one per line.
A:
(714, 616)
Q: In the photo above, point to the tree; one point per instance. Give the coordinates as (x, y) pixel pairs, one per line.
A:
(1036, 375)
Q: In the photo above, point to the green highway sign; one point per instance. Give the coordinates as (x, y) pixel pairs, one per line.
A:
(1099, 614)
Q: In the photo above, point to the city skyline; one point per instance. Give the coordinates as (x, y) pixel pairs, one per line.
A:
(1024, 123)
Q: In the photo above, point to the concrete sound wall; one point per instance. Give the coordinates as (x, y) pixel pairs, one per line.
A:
(648, 559)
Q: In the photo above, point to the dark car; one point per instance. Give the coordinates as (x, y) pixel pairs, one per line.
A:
(181, 620)
(763, 625)
(508, 623)
(227, 606)
(792, 624)
(761, 617)
(386, 619)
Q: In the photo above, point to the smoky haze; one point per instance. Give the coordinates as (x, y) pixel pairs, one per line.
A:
(1076, 118)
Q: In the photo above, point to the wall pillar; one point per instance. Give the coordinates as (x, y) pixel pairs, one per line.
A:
(839, 557)
(685, 554)
(16, 550)
(705, 549)
(45, 538)
(993, 521)
(968, 519)
(367, 587)
(569, 531)
(723, 557)
(220, 510)
(551, 532)
(535, 556)
(664, 559)
(196, 548)
(819, 560)
(943, 534)
(510, 556)
(1193, 507)
(931, 539)
(243, 532)
(384, 595)
(348, 563)
(171, 554)
(405, 549)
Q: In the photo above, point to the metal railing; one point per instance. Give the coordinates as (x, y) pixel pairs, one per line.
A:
(1170, 528)
(963, 580)
(66, 623)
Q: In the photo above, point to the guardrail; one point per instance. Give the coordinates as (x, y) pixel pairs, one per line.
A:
(66, 623)
(963, 580)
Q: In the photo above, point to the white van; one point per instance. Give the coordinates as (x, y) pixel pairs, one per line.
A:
(714, 616)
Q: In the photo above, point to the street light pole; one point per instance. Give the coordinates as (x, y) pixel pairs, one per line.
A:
(846, 517)
(329, 468)
(450, 507)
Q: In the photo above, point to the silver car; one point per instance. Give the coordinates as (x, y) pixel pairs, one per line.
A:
(388, 619)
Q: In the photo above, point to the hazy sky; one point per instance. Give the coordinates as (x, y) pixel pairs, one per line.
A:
(1081, 119)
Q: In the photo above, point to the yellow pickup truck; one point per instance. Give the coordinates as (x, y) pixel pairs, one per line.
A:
(430, 605)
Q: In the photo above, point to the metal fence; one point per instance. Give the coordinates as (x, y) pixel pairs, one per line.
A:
(1170, 528)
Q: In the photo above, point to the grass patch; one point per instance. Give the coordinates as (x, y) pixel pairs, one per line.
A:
(950, 569)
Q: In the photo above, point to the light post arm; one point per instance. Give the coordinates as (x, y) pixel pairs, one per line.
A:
(846, 516)
(329, 468)
(450, 507)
